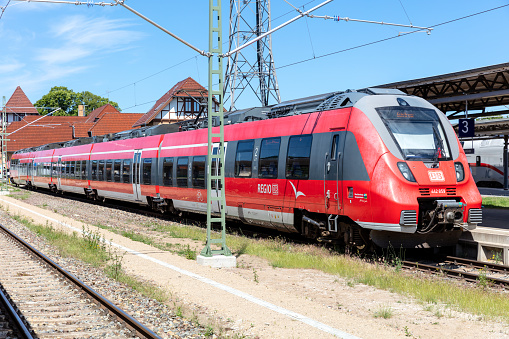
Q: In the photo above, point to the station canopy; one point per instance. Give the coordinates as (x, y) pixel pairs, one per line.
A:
(472, 90)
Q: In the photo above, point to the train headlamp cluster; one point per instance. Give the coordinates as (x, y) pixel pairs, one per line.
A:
(460, 171)
(405, 171)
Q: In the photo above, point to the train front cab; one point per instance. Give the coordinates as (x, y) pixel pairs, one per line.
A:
(421, 191)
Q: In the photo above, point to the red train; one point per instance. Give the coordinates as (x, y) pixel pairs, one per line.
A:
(366, 166)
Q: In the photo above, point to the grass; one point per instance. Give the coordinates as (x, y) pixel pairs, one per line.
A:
(495, 202)
(385, 275)
(383, 312)
(90, 247)
(481, 301)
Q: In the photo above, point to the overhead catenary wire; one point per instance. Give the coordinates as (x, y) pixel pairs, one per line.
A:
(88, 2)
(184, 61)
(391, 38)
(404, 10)
(362, 45)
(4, 8)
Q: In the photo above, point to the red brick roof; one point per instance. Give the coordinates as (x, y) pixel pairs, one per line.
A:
(43, 131)
(99, 112)
(114, 123)
(183, 88)
(81, 130)
(19, 103)
(49, 129)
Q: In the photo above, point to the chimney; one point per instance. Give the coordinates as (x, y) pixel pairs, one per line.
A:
(81, 110)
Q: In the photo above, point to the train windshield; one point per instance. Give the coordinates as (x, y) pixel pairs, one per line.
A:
(417, 132)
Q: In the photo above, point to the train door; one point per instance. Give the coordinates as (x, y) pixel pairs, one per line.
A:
(333, 179)
(216, 190)
(137, 175)
(31, 170)
(59, 173)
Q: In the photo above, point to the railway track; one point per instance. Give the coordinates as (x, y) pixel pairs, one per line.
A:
(54, 302)
(460, 268)
(12, 324)
(466, 269)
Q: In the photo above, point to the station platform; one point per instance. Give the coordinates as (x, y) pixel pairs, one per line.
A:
(485, 244)
(496, 192)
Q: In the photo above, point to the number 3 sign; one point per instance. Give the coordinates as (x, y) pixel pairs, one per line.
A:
(466, 128)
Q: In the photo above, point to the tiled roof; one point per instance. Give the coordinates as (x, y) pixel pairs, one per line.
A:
(81, 130)
(114, 123)
(98, 112)
(19, 103)
(49, 129)
(44, 131)
(183, 88)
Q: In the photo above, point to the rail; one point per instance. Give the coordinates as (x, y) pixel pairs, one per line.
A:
(13, 316)
(130, 322)
(459, 273)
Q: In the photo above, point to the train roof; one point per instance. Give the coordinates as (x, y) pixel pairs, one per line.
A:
(321, 102)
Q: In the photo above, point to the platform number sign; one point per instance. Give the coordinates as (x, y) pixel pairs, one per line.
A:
(466, 128)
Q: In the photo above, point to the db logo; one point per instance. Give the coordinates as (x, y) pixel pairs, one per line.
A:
(436, 176)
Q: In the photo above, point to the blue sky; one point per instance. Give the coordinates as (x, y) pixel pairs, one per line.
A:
(111, 52)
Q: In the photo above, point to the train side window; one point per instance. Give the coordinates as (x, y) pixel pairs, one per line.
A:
(147, 171)
(77, 170)
(116, 170)
(244, 159)
(94, 169)
(100, 170)
(334, 147)
(168, 172)
(182, 171)
(72, 169)
(199, 172)
(297, 161)
(109, 169)
(126, 171)
(269, 154)
(83, 170)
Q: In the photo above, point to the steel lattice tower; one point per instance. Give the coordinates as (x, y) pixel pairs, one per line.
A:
(253, 67)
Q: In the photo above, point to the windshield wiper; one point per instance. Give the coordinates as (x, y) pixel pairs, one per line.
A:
(440, 147)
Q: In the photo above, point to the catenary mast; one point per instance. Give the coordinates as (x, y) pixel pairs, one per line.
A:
(251, 69)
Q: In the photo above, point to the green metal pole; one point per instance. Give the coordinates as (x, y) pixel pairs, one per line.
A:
(4, 145)
(216, 195)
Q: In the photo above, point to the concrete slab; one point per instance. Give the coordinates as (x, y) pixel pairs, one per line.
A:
(487, 242)
(218, 261)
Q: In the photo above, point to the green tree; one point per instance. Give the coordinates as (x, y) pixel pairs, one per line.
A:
(68, 101)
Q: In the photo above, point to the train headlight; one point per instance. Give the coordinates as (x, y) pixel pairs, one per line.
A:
(405, 171)
(460, 172)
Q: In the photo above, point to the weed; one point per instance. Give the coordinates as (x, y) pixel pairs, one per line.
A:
(137, 237)
(383, 312)
(255, 276)
(187, 253)
(497, 257)
(407, 332)
(114, 269)
(93, 240)
(178, 312)
(483, 279)
(209, 332)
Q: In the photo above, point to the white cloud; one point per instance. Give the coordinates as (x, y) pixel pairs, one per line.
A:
(76, 44)
(78, 37)
(9, 65)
